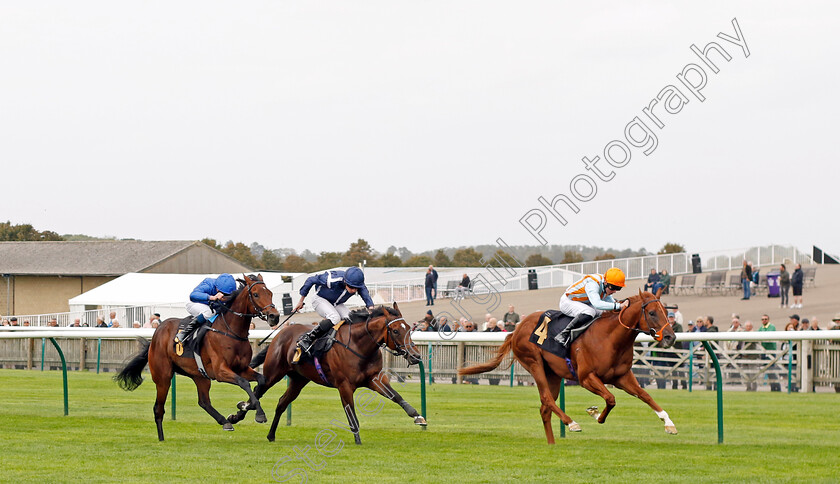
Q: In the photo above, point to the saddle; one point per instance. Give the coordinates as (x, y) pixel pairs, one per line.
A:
(552, 322)
(319, 347)
(191, 347)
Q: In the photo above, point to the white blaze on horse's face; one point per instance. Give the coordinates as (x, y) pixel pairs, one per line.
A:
(404, 326)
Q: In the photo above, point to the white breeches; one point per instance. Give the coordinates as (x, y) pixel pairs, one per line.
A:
(327, 310)
(573, 308)
(195, 309)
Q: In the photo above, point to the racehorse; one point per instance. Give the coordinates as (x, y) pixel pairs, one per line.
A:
(354, 361)
(602, 355)
(225, 352)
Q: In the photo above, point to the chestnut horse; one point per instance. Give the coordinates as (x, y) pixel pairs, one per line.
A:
(225, 352)
(602, 355)
(354, 361)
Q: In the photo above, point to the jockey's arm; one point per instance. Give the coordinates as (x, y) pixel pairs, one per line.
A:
(593, 292)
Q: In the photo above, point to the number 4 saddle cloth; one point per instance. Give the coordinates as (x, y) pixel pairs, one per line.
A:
(551, 323)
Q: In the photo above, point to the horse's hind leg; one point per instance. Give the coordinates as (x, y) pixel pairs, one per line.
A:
(629, 384)
(203, 385)
(380, 384)
(296, 384)
(548, 398)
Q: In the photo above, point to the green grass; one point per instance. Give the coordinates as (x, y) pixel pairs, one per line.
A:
(475, 434)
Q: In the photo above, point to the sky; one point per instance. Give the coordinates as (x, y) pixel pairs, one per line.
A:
(422, 124)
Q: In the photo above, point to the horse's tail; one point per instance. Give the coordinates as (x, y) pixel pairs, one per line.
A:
(259, 358)
(131, 375)
(489, 365)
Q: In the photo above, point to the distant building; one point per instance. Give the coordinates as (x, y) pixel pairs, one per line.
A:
(40, 277)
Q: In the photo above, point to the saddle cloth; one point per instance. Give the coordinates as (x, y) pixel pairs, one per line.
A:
(319, 347)
(192, 345)
(551, 323)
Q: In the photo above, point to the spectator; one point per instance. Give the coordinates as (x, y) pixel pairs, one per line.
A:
(710, 324)
(748, 352)
(427, 321)
(805, 326)
(112, 318)
(678, 345)
(443, 325)
(746, 279)
(796, 281)
(26, 323)
(735, 327)
(4, 322)
(511, 319)
(784, 285)
(700, 324)
(421, 326)
(455, 326)
(769, 346)
(835, 322)
(77, 323)
(251, 326)
(692, 328)
(462, 288)
(652, 279)
(13, 321)
(429, 285)
(815, 325)
(492, 326)
(100, 323)
(155, 323)
(793, 323)
(115, 324)
(52, 323)
(665, 280)
(435, 277)
(678, 317)
(148, 324)
(136, 325)
(469, 326)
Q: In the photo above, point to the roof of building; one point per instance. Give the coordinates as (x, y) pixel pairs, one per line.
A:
(87, 258)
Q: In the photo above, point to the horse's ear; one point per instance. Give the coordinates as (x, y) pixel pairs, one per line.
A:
(640, 292)
(397, 308)
(385, 310)
(259, 277)
(659, 292)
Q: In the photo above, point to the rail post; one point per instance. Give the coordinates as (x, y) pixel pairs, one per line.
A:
(719, 385)
(562, 397)
(423, 394)
(63, 372)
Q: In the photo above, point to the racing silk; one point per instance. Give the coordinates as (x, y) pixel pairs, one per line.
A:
(203, 291)
(590, 290)
(330, 286)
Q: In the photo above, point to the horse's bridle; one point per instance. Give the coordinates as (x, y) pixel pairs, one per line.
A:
(657, 335)
(401, 349)
(260, 310)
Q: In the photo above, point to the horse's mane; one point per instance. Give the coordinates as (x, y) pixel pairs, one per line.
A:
(362, 314)
(239, 287)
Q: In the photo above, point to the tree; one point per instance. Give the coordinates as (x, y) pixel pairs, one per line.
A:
(571, 257)
(671, 248)
(418, 261)
(536, 260)
(270, 262)
(468, 257)
(25, 233)
(328, 260)
(390, 260)
(358, 252)
(211, 242)
(296, 263)
(242, 253)
(605, 256)
(441, 259)
(509, 259)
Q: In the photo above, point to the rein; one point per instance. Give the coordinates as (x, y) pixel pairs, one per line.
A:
(401, 351)
(656, 335)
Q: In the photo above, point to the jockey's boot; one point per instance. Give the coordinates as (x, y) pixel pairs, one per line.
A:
(196, 322)
(565, 336)
(306, 340)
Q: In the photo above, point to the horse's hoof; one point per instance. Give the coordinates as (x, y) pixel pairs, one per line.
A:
(270, 438)
(670, 429)
(232, 419)
(260, 419)
(242, 406)
(593, 411)
(227, 426)
(419, 420)
(574, 427)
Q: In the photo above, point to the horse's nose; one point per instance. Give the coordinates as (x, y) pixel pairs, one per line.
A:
(669, 340)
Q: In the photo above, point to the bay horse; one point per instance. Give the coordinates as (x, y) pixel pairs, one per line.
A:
(354, 361)
(225, 352)
(602, 355)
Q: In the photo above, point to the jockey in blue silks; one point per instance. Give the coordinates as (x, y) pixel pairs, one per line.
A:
(209, 290)
(332, 290)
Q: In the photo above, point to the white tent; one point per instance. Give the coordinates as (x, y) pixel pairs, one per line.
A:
(162, 291)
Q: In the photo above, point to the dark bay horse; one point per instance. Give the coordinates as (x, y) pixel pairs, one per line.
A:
(225, 352)
(354, 361)
(602, 355)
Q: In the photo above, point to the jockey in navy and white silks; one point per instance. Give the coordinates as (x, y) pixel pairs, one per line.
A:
(210, 289)
(332, 290)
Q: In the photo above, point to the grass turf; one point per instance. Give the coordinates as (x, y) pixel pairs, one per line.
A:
(475, 434)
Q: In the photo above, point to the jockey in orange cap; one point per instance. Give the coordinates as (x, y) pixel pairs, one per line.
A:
(587, 298)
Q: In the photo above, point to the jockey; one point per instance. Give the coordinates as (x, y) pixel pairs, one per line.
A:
(211, 289)
(588, 298)
(332, 290)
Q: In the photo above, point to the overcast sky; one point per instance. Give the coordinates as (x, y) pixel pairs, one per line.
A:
(421, 124)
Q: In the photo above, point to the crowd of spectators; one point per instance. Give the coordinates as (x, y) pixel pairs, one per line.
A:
(112, 322)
